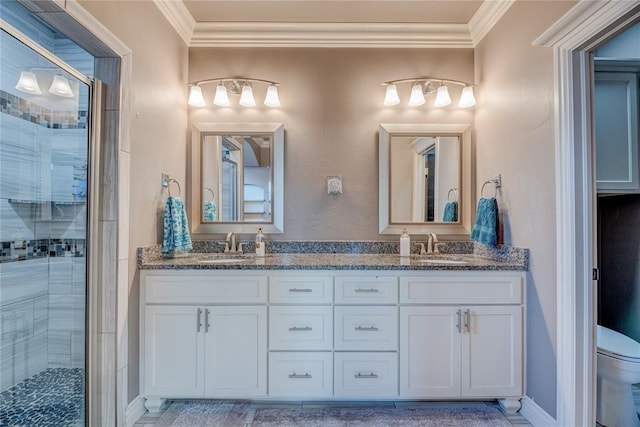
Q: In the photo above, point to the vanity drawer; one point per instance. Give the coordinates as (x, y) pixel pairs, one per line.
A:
(461, 290)
(365, 374)
(366, 290)
(301, 290)
(366, 328)
(300, 328)
(202, 289)
(300, 374)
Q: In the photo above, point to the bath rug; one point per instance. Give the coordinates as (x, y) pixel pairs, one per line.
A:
(206, 413)
(379, 417)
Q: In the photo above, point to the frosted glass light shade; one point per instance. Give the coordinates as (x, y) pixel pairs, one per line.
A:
(28, 83)
(195, 97)
(272, 99)
(60, 86)
(222, 97)
(466, 98)
(391, 96)
(442, 97)
(246, 98)
(417, 96)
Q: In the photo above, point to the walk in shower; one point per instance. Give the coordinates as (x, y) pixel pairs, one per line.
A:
(44, 158)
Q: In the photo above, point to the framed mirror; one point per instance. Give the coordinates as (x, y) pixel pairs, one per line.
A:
(425, 179)
(237, 177)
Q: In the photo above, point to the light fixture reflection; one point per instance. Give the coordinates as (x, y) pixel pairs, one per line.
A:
(272, 99)
(391, 96)
(195, 97)
(442, 97)
(246, 98)
(417, 96)
(222, 97)
(28, 83)
(467, 99)
(60, 87)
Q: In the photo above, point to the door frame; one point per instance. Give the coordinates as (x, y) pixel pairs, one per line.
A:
(573, 37)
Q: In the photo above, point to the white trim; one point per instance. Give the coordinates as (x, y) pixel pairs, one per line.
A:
(179, 17)
(95, 27)
(537, 416)
(135, 410)
(571, 37)
(284, 34)
(486, 17)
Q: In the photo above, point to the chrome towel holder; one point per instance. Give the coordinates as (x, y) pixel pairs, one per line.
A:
(167, 181)
(497, 183)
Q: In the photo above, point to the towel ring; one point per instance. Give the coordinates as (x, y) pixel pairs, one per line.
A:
(213, 196)
(455, 194)
(171, 180)
(495, 188)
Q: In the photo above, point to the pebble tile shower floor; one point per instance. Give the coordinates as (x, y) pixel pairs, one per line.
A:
(52, 398)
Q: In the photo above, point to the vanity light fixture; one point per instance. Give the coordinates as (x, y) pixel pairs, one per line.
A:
(427, 85)
(28, 83)
(242, 86)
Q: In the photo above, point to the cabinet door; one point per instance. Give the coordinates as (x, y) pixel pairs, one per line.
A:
(236, 351)
(174, 351)
(616, 132)
(492, 352)
(429, 352)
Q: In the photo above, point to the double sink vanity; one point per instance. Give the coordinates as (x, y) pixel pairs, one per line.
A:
(334, 320)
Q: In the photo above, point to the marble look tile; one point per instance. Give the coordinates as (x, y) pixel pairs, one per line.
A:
(108, 277)
(17, 220)
(77, 349)
(59, 349)
(122, 402)
(108, 71)
(37, 354)
(40, 314)
(79, 275)
(107, 391)
(126, 113)
(66, 312)
(22, 360)
(17, 322)
(108, 168)
(60, 276)
(124, 176)
(122, 331)
(23, 280)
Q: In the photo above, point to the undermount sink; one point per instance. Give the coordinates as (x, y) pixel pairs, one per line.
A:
(223, 260)
(453, 260)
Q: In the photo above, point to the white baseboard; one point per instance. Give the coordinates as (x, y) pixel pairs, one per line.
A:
(537, 416)
(135, 410)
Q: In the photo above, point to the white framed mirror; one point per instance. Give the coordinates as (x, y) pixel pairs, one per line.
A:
(425, 179)
(237, 177)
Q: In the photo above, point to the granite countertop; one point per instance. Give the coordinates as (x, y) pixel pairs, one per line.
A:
(451, 258)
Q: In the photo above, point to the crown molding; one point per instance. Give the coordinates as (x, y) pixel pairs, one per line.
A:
(280, 34)
(178, 16)
(486, 17)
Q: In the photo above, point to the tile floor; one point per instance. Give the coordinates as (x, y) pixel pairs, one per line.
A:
(149, 420)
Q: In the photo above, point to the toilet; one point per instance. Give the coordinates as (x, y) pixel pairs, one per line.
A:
(618, 366)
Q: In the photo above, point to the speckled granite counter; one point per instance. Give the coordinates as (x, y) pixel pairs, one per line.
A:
(471, 257)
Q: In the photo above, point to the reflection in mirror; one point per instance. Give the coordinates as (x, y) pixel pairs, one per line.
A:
(425, 178)
(237, 177)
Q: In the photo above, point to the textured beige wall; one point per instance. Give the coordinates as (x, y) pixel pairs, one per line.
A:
(514, 128)
(158, 131)
(331, 108)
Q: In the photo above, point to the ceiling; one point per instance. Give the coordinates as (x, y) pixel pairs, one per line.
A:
(333, 23)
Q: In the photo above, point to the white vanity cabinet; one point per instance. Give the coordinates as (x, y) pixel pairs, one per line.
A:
(203, 336)
(332, 334)
(462, 337)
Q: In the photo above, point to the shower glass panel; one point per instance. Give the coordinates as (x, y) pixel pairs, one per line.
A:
(44, 140)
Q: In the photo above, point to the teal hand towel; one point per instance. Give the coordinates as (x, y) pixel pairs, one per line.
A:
(210, 211)
(450, 212)
(485, 230)
(176, 227)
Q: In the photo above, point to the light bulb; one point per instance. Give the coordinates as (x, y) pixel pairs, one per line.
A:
(391, 96)
(417, 97)
(272, 100)
(442, 97)
(28, 83)
(60, 86)
(195, 97)
(466, 98)
(221, 98)
(246, 98)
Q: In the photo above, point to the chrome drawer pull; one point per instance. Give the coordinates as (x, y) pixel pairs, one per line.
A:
(199, 319)
(294, 375)
(371, 375)
(369, 328)
(305, 328)
(300, 290)
(366, 290)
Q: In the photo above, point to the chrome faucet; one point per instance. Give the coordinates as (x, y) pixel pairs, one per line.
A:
(432, 247)
(231, 242)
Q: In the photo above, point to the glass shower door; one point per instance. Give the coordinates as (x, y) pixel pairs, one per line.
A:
(44, 153)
